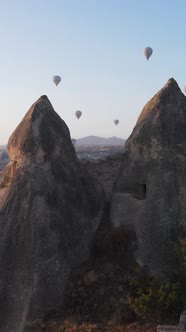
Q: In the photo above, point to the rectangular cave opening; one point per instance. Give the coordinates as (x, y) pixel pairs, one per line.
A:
(141, 191)
(134, 188)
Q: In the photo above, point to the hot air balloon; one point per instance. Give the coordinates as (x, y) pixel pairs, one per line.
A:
(78, 114)
(56, 79)
(116, 122)
(147, 51)
(184, 88)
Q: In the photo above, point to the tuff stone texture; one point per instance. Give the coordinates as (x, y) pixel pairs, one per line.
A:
(150, 192)
(50, 209)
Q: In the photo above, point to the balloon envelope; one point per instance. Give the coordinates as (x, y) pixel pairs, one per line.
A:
(147, 51)
(78, 114)
(56, 79)
(116, 122)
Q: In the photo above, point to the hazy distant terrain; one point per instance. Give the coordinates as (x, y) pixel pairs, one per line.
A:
(90, 147)
(96, 140)
(4, 158)
(89, 152)
(95, 147)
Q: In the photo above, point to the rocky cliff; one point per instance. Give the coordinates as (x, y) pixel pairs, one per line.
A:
(150, 192)
(50, 208)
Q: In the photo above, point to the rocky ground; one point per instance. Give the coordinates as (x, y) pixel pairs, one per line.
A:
(96, 299)
(110, 326)
(97, 292)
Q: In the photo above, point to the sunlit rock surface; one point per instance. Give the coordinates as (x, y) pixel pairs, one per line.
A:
(149, 196)
(50, 209)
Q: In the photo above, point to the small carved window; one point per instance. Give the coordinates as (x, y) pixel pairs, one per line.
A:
(141, 191)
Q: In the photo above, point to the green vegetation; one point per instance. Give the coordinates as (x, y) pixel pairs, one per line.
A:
(155, 299)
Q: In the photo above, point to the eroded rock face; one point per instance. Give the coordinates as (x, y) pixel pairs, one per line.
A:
(150, 193)
(50, 209)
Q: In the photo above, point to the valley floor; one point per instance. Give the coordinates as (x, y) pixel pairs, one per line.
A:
(110, 326)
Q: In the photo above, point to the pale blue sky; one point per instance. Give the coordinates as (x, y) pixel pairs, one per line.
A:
(96, 46)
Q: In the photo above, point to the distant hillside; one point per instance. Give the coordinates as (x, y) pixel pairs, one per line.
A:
(2, 147)
(96, 140)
